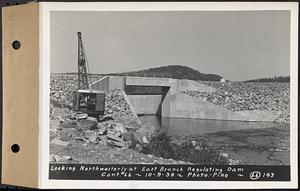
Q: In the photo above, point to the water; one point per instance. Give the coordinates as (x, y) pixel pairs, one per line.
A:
(251, 143)
(187, 127)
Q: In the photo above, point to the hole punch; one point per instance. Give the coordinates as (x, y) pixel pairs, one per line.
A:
(15, 148)
(16, 44)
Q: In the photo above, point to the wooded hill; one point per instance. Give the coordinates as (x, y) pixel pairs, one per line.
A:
(173, 71)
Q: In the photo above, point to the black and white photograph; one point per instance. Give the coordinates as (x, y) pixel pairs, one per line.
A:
(170, 88)
(149, 95)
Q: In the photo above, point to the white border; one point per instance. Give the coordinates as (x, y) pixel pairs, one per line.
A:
(46, 7)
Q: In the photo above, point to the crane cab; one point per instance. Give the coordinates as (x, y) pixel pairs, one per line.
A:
(91, 102)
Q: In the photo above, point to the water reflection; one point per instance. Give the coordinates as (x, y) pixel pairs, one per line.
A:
(187, 127)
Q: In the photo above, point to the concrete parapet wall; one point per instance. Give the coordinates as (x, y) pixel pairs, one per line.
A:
(145, 104)
(116, 82)
(109, 83)
(102, 84)
(146, 81)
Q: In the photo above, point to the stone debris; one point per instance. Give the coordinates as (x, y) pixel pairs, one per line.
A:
(57, 158)
(81, 116)
(114, 138)
(93, 119)
(59, 142)
(106, 118)
(138, 147)
(145, 140)
(67, 124)
(239, 96)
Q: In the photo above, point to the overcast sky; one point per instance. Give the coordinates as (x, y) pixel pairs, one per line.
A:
(237, 45)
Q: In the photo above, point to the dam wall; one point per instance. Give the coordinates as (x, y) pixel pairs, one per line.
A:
(145, 104)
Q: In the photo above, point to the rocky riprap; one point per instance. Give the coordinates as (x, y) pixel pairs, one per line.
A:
(79, 138)
(239, 96)
(119, 123)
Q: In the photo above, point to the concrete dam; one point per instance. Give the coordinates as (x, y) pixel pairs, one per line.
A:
(164, 97)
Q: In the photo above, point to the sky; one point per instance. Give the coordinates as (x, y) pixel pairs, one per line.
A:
(238, 45)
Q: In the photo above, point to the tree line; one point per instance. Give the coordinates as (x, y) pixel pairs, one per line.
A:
(272, 79)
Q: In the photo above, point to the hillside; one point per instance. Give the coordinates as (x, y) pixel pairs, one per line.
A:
(173, 71)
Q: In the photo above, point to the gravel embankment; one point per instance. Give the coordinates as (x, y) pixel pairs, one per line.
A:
(239, 96)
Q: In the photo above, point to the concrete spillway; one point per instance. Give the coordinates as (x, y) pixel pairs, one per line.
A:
(173, 103)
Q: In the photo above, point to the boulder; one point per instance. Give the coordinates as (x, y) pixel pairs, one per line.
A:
(64, 159)
(114, 138)
(119, 128)
(101, 129)
(118, 134)
(103, 140)
(147, 130)
(93, 119)
(224, 155)
(67, 158)
(82, 116)
(87, 124)
(59, 142)
(62, 112)
(138, 147)
(61, 120)
(54, 124)
(106, 118)
(127, 136)
(52, 158)
(118, 144)
(145, 140)
(138, 137)
(67, 124)
(90, 135)
(129, 128)
(93, 138)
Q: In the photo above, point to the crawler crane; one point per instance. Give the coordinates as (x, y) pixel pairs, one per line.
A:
(85, 99)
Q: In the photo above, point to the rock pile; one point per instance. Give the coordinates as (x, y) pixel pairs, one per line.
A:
(62, 87)
(117, 108)
(239, 96)
(117, 129)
